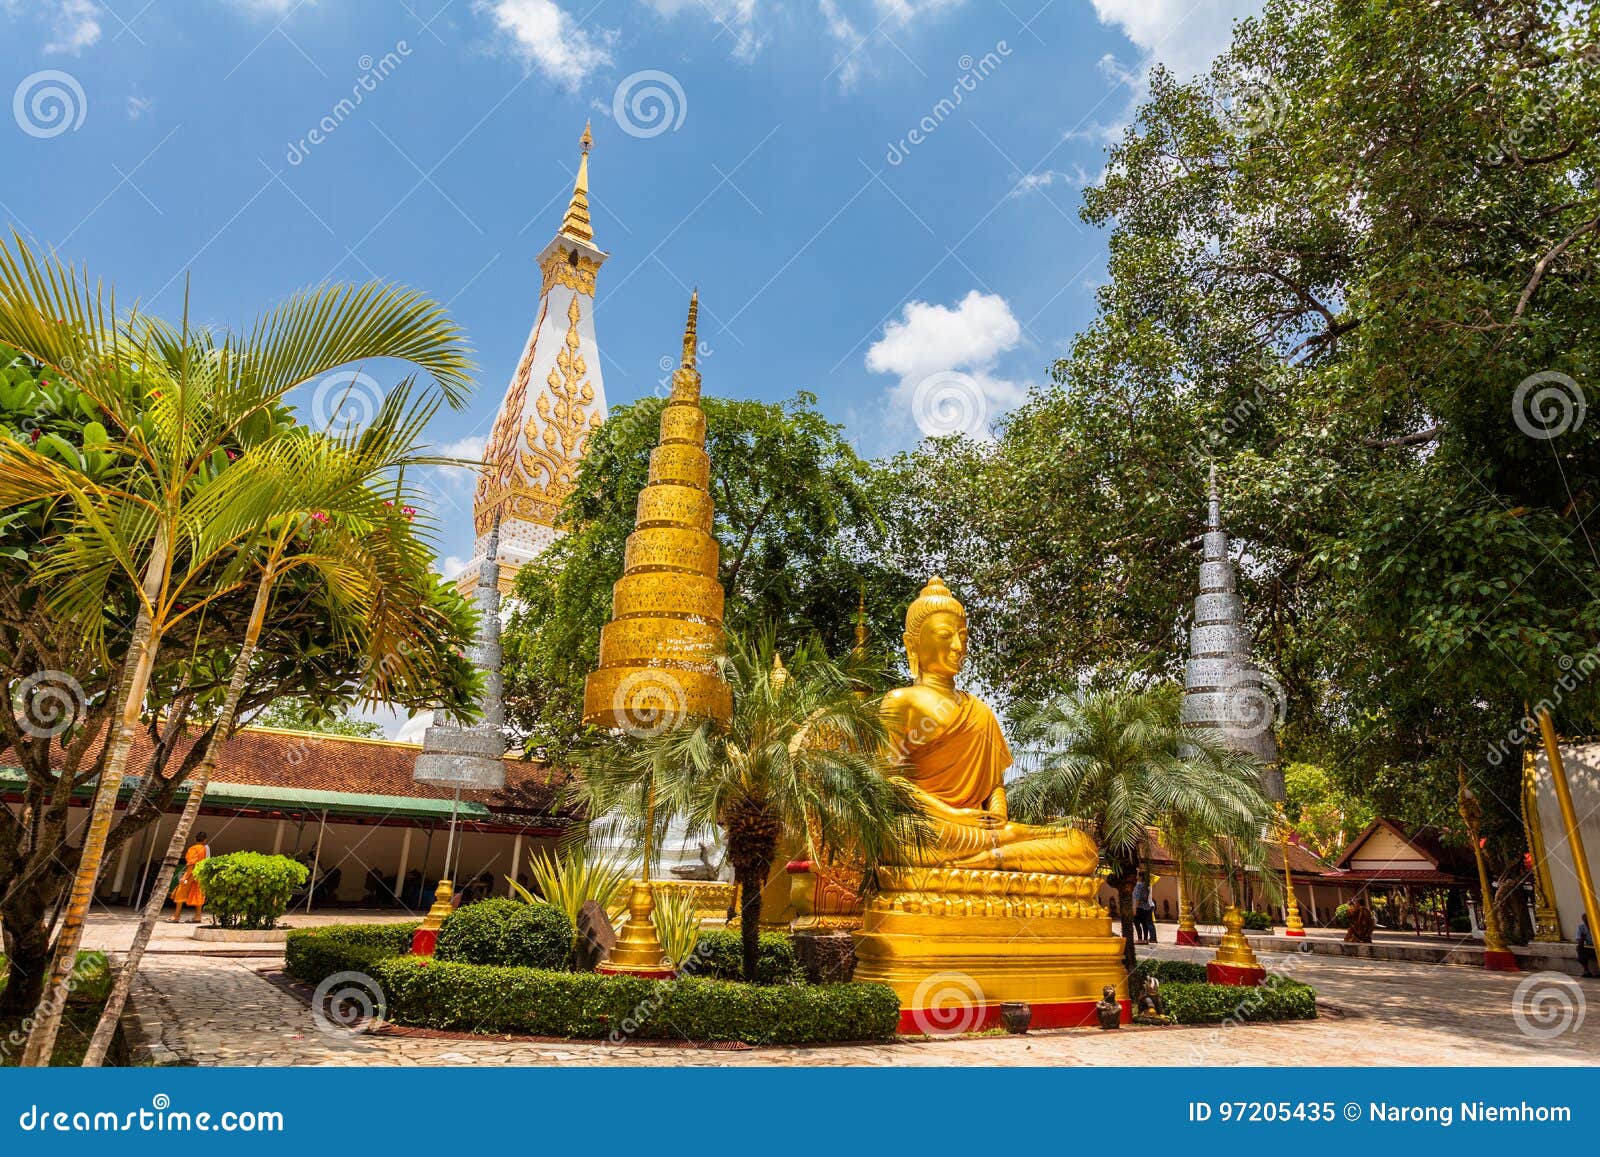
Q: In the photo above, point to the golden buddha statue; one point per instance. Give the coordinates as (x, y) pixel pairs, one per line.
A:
(954, 756)
(985, 910)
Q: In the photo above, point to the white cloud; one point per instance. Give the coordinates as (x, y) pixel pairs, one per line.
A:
(138, 105)
(735, 17)
(279, 8)
(945, 359)
(548, 39)
(927, 338)
(74, 25)
(1184, 35)
(1039, 181)
(450, 566)
(469, 447)
(878, 18)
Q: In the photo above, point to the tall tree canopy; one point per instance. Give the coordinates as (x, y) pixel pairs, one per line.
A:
(1354, 265)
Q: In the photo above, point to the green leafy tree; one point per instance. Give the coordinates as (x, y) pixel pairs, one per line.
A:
(798, 519)
(302, 715)
(1354, 265)
(1124, 760)
(150, 512)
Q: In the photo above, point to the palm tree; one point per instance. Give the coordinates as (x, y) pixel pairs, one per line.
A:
(339, 524)
(1125, 760)
(802, 754)
(180, 411)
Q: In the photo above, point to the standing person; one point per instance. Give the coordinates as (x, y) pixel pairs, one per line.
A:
(1141, 897)
(1146, 911)
(1586, 956)
(188, 892)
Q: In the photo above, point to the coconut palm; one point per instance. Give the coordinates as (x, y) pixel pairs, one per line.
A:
(180, 410)
(1124, 760)
(802, 754)
(339, 520)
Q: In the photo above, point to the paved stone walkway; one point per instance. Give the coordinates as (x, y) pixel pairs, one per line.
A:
(221, 1011)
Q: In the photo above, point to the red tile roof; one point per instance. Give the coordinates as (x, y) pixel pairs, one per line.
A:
(308, 761)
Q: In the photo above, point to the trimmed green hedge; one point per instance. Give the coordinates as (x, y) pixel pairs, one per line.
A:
(721, 957)
(313, 954)
(1171, 971)
(480, 998)
(1257, 922)
(1276, 999)
(508, 933)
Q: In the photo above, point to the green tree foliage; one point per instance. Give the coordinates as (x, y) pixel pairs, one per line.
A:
(1337, 263)
(300, 714)
(798, 518)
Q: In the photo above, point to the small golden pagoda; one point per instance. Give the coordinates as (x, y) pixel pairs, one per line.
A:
(658, 654)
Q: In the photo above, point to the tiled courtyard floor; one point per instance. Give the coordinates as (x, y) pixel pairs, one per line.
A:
(222, 1011)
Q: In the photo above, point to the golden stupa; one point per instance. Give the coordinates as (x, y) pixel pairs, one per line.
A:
(658, 655)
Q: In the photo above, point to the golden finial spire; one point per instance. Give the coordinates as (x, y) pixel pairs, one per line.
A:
(780, 673)
(686, 379)
(689, 337)
(576, 223)
(861, 621)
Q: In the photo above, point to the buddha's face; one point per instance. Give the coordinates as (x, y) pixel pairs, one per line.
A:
(941, 645)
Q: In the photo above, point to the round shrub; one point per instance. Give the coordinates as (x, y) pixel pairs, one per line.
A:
(1258, 922)
(508, 933)
(248, 889)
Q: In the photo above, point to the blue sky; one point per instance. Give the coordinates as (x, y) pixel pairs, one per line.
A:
(835, 250)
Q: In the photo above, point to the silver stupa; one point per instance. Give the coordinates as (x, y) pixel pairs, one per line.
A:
(1224, 692)
(470, 757)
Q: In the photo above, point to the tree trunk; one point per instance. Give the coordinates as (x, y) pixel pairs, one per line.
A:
(142, 648)
(1125, 911)
(107, 1027)
(751, 879)
(27, 959)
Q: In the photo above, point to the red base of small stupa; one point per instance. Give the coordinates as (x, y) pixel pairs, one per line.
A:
(423, 941)
(1234, 974)
(951, 1022)
(1294, 931)
(1500, 962)
(1187, 938)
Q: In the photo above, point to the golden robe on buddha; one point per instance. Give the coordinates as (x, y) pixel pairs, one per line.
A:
(950, 749)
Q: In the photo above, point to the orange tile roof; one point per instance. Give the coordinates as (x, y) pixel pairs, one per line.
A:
(310, 761)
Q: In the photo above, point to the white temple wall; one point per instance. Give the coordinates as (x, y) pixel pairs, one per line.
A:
(1582, 762)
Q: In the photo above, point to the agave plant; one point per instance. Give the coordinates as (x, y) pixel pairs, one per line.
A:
(677, 924)
(573, 879)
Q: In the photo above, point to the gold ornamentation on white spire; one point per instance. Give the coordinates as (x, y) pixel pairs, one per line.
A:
(555, 401)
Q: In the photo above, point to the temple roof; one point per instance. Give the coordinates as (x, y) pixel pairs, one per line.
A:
(310, 762)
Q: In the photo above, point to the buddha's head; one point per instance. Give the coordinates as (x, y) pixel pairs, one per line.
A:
(936, 632)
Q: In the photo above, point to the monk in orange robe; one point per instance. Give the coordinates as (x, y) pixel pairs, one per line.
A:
(188, 892)
(952, 753)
